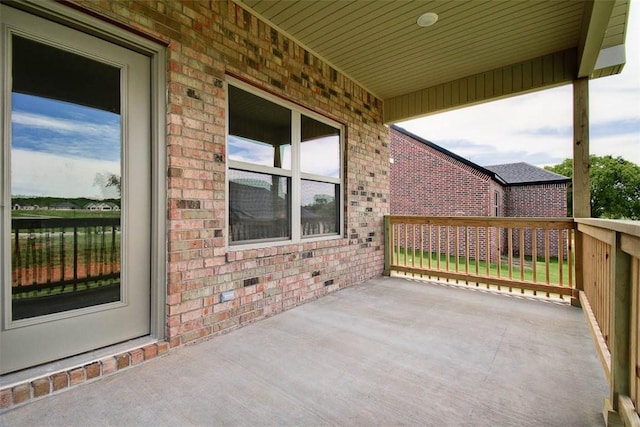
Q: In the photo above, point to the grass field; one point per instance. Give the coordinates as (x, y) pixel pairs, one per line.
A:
(541, 274)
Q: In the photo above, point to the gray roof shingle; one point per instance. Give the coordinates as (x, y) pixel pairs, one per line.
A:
(524, 173)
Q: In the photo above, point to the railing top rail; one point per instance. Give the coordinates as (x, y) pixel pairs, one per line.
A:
(485, 221)
(22, 223)
(623, 226)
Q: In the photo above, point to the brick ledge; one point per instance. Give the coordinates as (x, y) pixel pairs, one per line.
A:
(22, 392)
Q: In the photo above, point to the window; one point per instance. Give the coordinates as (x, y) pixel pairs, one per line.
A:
(496, 203)
(285, 175)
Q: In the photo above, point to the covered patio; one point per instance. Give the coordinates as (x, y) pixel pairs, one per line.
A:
(389, 351)
(347, 346)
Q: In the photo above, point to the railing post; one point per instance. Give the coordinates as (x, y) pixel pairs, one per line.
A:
(388, 246)
(620, 316)
(579, 264)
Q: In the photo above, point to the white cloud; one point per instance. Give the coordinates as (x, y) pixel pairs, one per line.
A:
(537, 128)
(64, 126)
(37, 173)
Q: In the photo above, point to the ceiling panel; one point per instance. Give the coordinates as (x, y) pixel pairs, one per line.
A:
(379, 44)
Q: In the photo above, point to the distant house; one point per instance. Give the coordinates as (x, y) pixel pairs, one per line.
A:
(102, 206)
(19, 207)
(429, 180)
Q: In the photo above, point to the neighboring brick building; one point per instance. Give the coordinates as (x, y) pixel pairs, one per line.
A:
(532, 191)
(428, 180)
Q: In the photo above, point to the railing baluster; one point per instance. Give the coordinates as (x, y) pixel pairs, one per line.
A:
(487, 238)
(546, 255)
(421, 246)
(534, 255)
(63, 263)
(448, 245)
(439, 253)
(467, 239)
(429, 244)
(505, 245)
(17, 260)
(570, 238)
(560, 256)
(41, 265)
(75, 258)
(49, 261)
(477, 254)
(522, 259)
(457, 248)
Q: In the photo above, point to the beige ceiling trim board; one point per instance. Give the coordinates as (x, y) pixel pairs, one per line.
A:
(527, 76)
(597, 15)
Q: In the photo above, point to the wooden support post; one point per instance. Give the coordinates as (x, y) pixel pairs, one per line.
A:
(620, 318)
(581, 189)
(388, 246)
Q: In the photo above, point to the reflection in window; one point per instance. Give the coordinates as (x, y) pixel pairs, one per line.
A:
(65, 180)
(319, 210)
(320, 148)
(283, 164)
(258, 206)
(259, 130)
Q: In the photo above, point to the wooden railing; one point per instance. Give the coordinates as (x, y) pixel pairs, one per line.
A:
(610, 296)
(52, 252)
(60, 258)
(523, 255)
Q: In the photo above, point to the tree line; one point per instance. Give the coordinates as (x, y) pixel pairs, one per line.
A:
(615, 186)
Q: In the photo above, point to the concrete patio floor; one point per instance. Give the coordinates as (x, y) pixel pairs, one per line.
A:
(389, 351)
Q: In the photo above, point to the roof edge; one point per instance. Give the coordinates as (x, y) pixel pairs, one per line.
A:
(494, 176)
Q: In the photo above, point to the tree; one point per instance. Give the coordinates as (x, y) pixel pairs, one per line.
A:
(114, 181)
(615, 186)
(109, 184)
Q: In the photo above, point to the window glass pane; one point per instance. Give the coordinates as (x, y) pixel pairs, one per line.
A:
(259, 206)
(65, 181)
(319, 210)
(320, 149)
(259, 130)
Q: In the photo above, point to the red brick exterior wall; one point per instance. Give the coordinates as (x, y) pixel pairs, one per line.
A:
(543, 201)
(209, 40)
(427, 182)
(540, 200)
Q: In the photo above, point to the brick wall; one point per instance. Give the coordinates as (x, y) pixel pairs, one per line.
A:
(207, 42)
(427, 182)
(543, 201)
(540, 200)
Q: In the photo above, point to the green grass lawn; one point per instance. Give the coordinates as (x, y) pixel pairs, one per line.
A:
(554, 274)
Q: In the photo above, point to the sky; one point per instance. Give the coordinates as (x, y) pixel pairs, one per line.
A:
(538, 128)
(61, 149)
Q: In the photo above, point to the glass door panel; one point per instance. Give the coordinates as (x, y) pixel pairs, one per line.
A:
(65, 181)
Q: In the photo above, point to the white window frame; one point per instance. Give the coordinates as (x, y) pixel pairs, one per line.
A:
(294, 174)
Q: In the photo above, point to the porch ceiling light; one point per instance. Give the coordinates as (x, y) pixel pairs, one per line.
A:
(427, 19)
